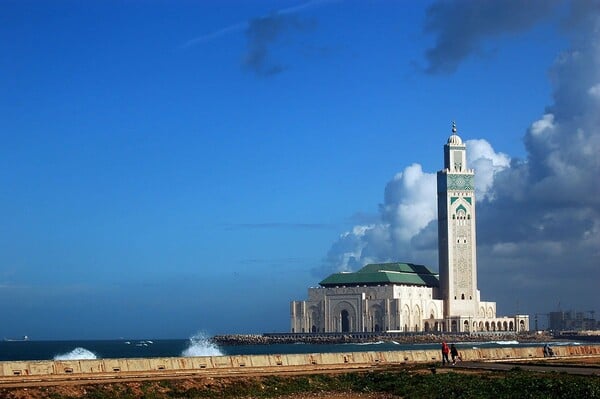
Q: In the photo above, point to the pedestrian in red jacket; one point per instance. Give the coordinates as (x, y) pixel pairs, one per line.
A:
(445, 351)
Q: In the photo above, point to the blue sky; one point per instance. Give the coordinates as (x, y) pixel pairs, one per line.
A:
(173, 167)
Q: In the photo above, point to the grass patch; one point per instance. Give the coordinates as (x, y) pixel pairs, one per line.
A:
(413, 383)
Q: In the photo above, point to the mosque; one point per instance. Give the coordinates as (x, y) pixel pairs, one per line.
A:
(405, 297)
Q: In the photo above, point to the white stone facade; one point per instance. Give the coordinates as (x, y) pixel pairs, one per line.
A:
(367, 309)
(415, 305)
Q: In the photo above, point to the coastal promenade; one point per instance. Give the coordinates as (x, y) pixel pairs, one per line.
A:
(36, 373)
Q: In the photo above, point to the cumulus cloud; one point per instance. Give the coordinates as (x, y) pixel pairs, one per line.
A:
(482, 157)
(544, 222)
(461, 26)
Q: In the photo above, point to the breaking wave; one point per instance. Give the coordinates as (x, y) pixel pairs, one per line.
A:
(506, 342)
(200, 345)
(563, 343)
(368, 343)
(76, 354)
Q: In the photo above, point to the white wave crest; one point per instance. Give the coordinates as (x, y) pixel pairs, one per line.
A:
(507, 342)
(200, 345)
(370, 343)
(563, 343)
(76, 354)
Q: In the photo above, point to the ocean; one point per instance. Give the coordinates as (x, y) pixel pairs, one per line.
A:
(201, 346)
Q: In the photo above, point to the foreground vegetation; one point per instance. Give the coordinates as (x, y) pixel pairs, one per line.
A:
(400, 383)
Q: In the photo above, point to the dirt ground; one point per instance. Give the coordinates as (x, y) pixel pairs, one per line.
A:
(343, 395)
(82, 391)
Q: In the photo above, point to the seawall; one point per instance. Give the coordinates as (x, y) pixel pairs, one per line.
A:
(49, 370)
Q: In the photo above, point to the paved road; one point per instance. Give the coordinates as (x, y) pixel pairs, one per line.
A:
(544, 368)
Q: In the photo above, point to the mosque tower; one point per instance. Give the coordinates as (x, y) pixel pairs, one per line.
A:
(457, 232)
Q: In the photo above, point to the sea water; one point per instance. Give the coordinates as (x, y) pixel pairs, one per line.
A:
(200, 345)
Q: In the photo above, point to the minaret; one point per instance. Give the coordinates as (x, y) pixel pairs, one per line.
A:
(456, 231)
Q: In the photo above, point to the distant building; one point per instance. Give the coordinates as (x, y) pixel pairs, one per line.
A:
(572, 321)
(409, 297)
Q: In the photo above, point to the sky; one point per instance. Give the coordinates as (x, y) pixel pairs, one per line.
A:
(174, 167)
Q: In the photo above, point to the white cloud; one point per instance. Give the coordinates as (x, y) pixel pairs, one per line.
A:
(410, 202)
(539, 127)
(482, 157)
(594, 91)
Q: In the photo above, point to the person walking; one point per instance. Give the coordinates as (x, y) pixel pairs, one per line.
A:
(445, 351)
(454, 353)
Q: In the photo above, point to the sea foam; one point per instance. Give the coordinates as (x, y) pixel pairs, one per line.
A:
(200, 345)
(76, 354)
(506, 342)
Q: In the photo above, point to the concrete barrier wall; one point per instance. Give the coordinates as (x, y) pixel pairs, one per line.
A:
(144, 365)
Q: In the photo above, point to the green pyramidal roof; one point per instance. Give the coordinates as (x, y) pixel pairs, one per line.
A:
(383, 274)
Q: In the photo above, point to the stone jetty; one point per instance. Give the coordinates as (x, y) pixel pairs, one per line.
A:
(341, 338)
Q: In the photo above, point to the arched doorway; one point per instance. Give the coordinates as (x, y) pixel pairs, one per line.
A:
(466, 326)
(314, 329)
(521, 325)
(426, 326)
(345, 321)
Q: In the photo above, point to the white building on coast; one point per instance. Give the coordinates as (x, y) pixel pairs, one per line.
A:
(408, 297)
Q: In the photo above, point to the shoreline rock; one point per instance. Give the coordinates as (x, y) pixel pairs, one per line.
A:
(282, 338)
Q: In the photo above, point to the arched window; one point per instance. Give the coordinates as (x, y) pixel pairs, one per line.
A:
(462, 296)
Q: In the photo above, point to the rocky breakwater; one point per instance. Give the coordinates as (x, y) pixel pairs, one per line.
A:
(340, 338)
